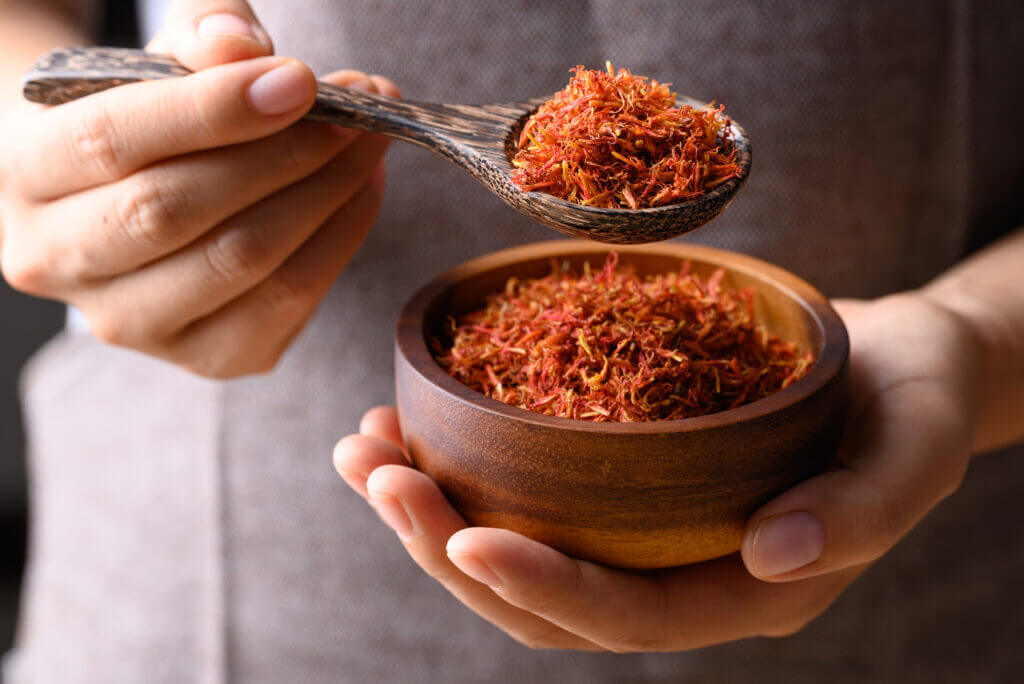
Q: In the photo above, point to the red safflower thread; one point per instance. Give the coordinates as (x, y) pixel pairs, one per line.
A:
(607, 345)
(618, 141)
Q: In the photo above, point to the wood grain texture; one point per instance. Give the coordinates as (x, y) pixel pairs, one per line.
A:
(479, 139)
(635, 495)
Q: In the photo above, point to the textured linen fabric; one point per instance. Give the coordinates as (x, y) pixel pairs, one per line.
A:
(184, 530)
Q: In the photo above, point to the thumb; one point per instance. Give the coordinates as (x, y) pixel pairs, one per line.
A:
(908, 451)
(204, 33)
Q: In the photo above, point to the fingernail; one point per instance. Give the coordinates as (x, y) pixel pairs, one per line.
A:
(281, 89)
(356, 481)
(786, 542)
(225, 25)
(364, 84)
(475, 568)
(393, 513)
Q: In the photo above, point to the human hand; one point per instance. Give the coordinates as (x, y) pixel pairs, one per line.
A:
(191, 218)
(907, 446)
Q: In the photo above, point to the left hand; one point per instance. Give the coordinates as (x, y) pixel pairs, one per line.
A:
(906, 447)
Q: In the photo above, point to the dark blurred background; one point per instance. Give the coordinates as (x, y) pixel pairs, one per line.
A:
(25, 325)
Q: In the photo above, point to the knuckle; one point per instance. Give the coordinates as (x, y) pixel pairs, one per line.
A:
(236, 254)
(201, 109)
(531, 644)
(113, 326)
(800, 615)
(152, 212)
(440, 570)
(109, 329)
(888, 532)
(787, 628)
(287, 295)
(538, 638)
(208, 357)
(206, 366)
(266, 365)
(883, 525)
(211, 371)
(291, 156)
(637, 643)
(896, 520)
(24, 271)
(955, 477)
(227, 367)
(546, 604)
(881, 540)
(95, 144)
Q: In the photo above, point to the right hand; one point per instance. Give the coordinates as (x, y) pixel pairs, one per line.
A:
(191, 218)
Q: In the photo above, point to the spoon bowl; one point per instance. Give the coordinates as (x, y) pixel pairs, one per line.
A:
(479, 139)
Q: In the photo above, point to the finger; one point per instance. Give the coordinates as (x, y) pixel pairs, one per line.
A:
(237, 255)
(382, 85)
(410, 502)
(112, 134)
(386, 86)
(275, 311)
(906, 448)
(382, 421)
(166, 206)
(204, 33)
(374, 83)
(679, 609)
(357, 456)
(900, 466)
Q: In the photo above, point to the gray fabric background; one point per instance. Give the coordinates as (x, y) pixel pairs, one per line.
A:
(191, 531)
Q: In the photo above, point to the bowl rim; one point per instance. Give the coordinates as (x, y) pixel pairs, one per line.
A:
(411, 344)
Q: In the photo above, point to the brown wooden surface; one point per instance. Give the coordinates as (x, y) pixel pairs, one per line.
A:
(476, 138)
(640, 495)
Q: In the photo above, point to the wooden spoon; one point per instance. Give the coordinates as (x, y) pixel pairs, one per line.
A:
(479, 139)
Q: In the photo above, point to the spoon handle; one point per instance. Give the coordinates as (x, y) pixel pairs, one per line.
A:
(70, 73)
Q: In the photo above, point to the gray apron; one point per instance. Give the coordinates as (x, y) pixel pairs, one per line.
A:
(191, 531)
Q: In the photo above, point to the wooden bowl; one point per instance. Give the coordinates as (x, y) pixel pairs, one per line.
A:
(633, 495)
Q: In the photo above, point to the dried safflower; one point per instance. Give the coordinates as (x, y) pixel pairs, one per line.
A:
(608, 345)
(618, 141)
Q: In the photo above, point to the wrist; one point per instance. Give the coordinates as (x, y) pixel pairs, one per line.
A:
(963, 327)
